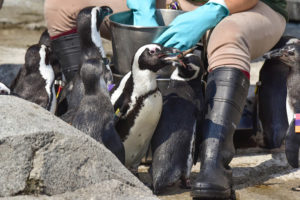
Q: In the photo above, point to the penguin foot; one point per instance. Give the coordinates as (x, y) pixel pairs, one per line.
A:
(135, 172)
(232, 197)
(185, 183)
(297, 189)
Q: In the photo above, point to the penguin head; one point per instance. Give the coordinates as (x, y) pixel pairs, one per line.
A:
(35, 55)
(289, 54)
(89, 20)
(153, 57)
(188, 69)
(45, 39)
(91, 73)
(4, 90)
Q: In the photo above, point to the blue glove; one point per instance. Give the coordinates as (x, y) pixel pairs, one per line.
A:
(187, 29)
(143, 12)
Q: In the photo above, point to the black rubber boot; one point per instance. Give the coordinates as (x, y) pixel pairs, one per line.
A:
(226, 93)
(68, 51)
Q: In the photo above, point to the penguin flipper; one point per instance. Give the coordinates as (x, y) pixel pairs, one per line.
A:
(292, 146)
(113, 142)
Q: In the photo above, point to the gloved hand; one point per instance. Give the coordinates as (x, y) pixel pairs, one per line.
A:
(187, 29)
(143, 12)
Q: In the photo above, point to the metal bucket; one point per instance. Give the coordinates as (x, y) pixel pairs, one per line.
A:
(126, 38)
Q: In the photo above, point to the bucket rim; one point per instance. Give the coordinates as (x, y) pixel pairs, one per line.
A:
(117, 24)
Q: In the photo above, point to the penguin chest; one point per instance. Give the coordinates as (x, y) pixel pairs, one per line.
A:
(140, 134)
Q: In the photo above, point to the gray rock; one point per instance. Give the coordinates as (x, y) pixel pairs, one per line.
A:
(100, 191)
(41, 154)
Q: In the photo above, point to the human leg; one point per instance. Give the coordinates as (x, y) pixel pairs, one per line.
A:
(61, 18)
(233, 43)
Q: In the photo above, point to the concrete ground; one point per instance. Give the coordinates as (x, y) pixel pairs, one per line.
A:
(258, 173)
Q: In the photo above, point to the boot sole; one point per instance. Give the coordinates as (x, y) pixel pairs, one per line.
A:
(211, 194)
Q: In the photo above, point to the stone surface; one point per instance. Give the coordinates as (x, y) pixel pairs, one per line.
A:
(257, 173)
(100, 191)
(41, 154)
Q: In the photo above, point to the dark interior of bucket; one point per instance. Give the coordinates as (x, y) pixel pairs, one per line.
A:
(122, 18)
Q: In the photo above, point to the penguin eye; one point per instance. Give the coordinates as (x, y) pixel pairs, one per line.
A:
(291, 52)
(152, 52)
(189, 67)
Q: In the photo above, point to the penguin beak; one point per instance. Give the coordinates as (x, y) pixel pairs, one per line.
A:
(169, 55)
(167, 52)
(276, 53)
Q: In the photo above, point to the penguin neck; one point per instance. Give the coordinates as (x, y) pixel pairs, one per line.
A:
(93, 88)
(294, 73)
(96, 40)
(143, 80)
(87, 44)
(95, 33)
(176, 77)
(90, 52)
(46, 72)
(295, 69)
(293, 88)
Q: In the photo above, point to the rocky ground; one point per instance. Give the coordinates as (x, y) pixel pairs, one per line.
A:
(258, 173)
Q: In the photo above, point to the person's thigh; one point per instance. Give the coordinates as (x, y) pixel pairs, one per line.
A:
(244, 36)
(61, 16)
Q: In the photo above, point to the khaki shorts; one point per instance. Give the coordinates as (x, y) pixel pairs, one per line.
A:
(234, 42)
(61, 16)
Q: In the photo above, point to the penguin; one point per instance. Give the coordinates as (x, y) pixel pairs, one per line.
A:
(272, 94)
(89, 20)
(95, 114)
(137, 101)
(290, 55)
(173, 141)
(35, 82)
(46, 40)
(4, 90)
(9, 73)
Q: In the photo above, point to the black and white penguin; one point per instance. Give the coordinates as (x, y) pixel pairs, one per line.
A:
(35, 82)
(88, 27)
(95, 114)
(173, 142)
(138, 102)
(9, 74)
(45, 40)
(272, 93)
(290, 55)
(4, 90)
